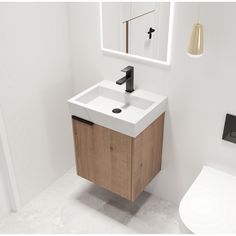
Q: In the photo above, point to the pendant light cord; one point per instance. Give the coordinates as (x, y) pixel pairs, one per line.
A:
(198, 12)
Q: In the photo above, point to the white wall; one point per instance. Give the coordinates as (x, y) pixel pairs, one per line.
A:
(111, 25)
(200, 91)
(35, 83)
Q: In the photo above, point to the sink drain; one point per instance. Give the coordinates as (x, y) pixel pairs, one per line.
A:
(116, 110)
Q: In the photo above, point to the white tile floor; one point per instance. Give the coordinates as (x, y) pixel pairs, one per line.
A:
(74, 205)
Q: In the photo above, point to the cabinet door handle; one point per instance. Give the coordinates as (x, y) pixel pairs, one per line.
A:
(82, 120)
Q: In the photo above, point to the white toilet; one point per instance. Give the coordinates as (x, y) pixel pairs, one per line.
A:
(209, 206)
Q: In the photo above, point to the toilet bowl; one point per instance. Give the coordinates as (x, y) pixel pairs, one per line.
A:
(209, 206)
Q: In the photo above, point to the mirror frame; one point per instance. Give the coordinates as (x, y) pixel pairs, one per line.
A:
(137, 58)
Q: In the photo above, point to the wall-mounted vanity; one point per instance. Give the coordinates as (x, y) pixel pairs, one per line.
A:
(118, 134)
(121, 152)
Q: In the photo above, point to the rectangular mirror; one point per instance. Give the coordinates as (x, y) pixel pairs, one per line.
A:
(138, 30)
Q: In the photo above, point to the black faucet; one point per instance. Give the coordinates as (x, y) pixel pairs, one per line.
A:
(128, 78)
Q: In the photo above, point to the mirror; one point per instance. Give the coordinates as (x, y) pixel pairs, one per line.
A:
(138, 30)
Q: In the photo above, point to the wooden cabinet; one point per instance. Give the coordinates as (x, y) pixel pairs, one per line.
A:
(117, 162)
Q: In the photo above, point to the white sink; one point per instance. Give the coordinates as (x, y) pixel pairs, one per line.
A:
(138, 109)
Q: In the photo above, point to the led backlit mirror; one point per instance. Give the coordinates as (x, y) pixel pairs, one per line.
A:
(138, 30)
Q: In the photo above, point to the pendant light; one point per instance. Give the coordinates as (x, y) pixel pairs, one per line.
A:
(196, 42)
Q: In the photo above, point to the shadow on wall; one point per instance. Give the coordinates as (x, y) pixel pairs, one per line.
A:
(58, 124)
(174, 175)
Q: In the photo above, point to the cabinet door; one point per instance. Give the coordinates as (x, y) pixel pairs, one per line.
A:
(103, 156)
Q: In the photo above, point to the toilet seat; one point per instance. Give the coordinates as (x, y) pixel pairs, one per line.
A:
(209, 206)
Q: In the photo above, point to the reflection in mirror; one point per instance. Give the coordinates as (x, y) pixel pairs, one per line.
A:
(137, 28)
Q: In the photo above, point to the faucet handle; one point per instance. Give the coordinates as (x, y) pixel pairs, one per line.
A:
(128, 69)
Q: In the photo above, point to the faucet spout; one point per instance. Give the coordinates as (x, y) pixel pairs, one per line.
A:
(128, 79)
(121, 81)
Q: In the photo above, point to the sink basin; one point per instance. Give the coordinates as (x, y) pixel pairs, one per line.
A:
(137, 109)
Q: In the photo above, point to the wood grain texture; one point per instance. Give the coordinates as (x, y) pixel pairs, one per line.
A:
(84, 149)
(103, 156)
(146, 156)
(117, 162)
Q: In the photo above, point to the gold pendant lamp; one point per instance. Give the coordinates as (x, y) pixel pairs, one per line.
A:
(196, 43)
